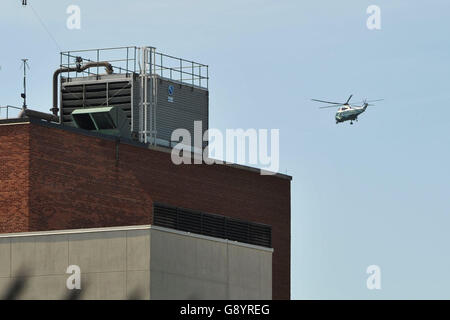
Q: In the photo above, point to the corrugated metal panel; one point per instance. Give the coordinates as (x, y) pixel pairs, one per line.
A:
(189, 104)
(135, 107)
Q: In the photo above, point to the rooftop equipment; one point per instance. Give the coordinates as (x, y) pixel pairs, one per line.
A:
(157, 93)
(107, 120)
(24, 94)
(24, 112)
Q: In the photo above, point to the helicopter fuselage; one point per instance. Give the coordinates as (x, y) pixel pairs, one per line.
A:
(347, 113)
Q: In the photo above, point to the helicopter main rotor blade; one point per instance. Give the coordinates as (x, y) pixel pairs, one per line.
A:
(356, 106)
(368, 101)
(349, 99)
(334, 106)
(338, 103)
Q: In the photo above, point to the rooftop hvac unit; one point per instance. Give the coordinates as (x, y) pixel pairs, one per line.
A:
(107, 120)
(157, 93)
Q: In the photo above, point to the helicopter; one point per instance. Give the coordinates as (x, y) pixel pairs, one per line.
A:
(347, 111)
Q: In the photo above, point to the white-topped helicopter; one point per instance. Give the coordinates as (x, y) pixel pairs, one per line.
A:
(346, 110)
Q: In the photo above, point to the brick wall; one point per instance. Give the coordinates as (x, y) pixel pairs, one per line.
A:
(14, 182)
(77, 181)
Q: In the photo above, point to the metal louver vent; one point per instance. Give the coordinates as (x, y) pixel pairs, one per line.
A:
(93, 95)
(212, 225)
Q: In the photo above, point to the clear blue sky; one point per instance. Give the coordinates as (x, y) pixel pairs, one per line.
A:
(376, 192)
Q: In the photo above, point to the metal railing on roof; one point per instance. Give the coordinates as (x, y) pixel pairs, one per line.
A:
(126, 60)
(9, 112)
(181, 70)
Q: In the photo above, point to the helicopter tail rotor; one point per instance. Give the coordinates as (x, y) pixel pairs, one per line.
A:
(366, 104)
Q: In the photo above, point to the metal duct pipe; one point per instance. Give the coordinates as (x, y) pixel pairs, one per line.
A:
(38, 115)
(108, 68)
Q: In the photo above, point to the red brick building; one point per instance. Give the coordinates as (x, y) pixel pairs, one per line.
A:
(54, 177)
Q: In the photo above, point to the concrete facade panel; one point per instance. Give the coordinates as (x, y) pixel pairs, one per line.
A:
(138, 250)
(166, 285)
(33, 288)
(145, 263)
(39, 255)
(98, 252)
(104, 286)
(138, 285)
(5, 257)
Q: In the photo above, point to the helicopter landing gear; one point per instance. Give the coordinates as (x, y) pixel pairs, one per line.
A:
(351, 122)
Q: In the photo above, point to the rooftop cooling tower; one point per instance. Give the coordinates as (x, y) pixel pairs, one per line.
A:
(157, 93)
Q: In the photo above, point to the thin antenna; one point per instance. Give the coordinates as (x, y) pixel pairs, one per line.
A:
(24, 94)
